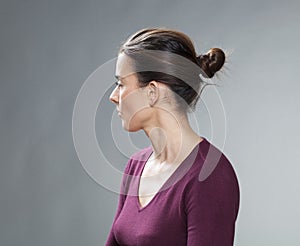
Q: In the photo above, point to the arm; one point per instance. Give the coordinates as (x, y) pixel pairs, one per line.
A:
(111, 240)
(211, 209)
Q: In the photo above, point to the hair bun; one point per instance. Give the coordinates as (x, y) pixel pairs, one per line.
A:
(211, 62)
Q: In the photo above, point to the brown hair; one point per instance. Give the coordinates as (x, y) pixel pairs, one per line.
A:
(165, 39)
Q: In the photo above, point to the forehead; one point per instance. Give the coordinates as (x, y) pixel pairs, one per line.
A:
(123, 66)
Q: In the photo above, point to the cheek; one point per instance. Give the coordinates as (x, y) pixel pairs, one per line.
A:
(133, 103)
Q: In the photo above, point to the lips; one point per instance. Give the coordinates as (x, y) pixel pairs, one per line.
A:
(119, 113)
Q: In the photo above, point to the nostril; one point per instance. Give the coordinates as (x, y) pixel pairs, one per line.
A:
(113, 99)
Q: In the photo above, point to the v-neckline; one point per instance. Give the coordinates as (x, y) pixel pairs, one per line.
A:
(141, 208)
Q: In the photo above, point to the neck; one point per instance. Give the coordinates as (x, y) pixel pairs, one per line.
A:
(171, 136)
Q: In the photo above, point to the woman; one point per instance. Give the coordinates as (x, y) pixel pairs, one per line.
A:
(181, 190)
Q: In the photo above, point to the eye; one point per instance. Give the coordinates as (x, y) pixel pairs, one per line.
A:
(118, 84)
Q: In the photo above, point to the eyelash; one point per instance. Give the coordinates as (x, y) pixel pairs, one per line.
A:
(116, 83)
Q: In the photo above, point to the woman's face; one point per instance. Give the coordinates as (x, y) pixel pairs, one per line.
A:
(131, 100)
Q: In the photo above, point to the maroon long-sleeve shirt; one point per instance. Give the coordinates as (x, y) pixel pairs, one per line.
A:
(197, 206)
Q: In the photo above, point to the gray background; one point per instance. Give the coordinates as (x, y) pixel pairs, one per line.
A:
(49, 48)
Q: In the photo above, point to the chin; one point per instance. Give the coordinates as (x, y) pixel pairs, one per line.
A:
(130, 127)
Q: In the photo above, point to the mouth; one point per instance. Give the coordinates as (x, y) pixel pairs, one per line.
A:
(119, 113)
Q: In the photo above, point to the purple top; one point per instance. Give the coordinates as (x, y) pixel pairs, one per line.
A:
(197, 206)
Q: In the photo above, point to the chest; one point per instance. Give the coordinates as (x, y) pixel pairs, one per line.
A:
(160, 222)
(152, 181)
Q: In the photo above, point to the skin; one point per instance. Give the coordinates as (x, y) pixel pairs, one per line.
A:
(152, 109)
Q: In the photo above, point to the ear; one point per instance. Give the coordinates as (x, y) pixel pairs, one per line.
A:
(153, 92)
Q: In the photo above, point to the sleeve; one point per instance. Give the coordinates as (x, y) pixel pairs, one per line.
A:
(211, 208)
(111, 240)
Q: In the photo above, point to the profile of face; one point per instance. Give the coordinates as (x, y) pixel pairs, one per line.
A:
(131, 101)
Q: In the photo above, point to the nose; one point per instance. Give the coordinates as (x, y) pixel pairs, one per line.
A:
(114, 97)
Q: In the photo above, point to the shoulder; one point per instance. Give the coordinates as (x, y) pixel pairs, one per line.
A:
(212, 175)
(212, 165)
(137, 159)
(141, 155)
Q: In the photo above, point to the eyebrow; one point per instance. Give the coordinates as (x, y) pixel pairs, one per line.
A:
(118, 77)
